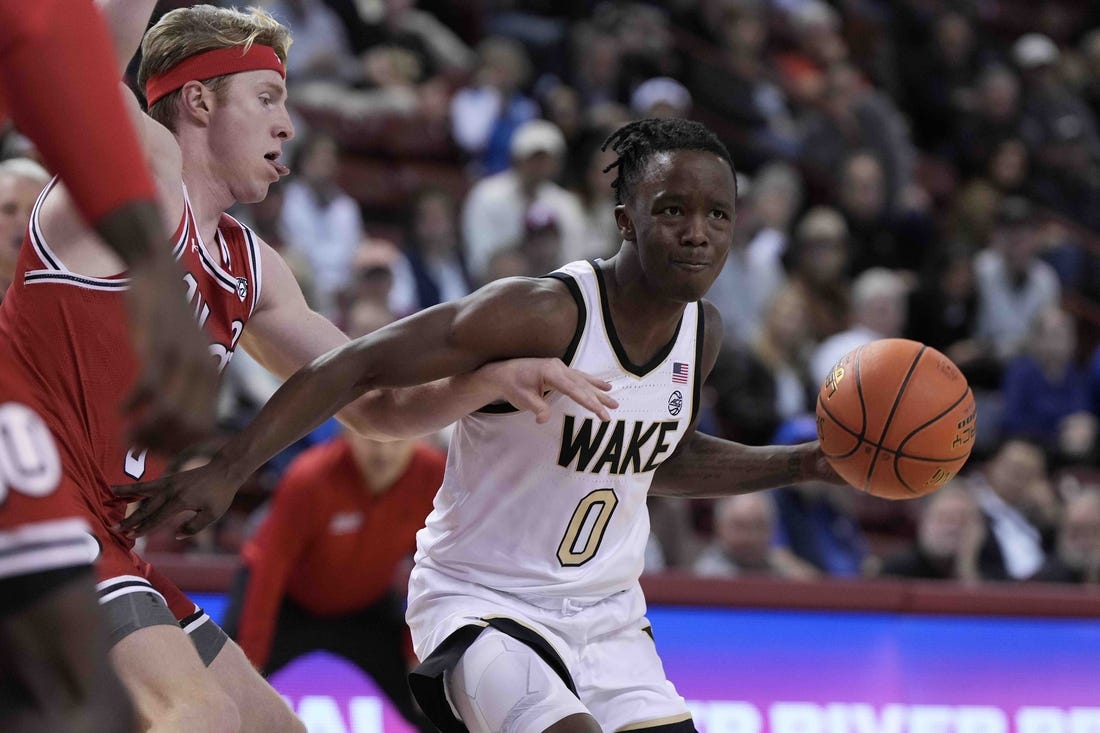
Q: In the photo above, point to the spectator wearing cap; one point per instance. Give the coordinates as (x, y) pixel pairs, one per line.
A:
(495, 210)
(661, 98)
(1013, 284)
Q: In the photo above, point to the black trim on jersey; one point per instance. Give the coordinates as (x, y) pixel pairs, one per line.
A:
(506, 408)
(697, 388)
(29, 547)
(39, 245)
(49, 276)
(212, 268)
(498, 408)
(181, 246)
(20, 591)
(252, 258)
(582, 314)
(127, 584)
(613, 335)
(648, 631)
(187, 620)
(684, 726)
(224, 247)
(188, 219)
(426, 681)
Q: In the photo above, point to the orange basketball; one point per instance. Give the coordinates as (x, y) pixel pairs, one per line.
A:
(896, 418)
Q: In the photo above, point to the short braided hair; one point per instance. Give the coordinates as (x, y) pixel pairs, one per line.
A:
(638, 141)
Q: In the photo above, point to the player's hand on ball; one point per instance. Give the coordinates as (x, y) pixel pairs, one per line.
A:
(207, 491)
(817, 467)
(524, 383)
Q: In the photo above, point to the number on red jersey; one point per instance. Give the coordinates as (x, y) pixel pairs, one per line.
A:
(29, 461)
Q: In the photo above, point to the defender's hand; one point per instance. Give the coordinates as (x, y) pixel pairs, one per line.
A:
(207, 491)
(172, 404)
(525, 382)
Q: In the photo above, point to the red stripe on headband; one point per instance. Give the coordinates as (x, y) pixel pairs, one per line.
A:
(209, 64)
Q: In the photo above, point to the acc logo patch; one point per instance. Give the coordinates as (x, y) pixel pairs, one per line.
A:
(675, 403)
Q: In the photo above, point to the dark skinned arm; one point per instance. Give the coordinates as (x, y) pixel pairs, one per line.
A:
(705, 466)
(517, 317)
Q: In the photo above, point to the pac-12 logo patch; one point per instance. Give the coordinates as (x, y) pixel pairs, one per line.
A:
(675, 403)
(242, 288)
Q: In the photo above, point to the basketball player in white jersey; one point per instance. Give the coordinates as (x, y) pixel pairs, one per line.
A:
(525, 605)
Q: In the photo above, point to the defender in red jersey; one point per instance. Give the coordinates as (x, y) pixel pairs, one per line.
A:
(59, 81)
(216, 128)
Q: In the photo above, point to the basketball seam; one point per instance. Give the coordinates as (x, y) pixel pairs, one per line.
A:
(890, 417)
(862, 434)
(880, 446)
(907, 438)
(842, 426)
(859, 391)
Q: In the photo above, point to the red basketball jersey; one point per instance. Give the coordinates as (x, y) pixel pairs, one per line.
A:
(41, 526)
(70, 333)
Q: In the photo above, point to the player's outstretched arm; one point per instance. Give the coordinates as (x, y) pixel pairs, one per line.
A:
(507, 319)
(284, 335)
(705, 466)
(54, 673)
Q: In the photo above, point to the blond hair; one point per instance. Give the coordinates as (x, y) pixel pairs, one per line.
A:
(184, 32)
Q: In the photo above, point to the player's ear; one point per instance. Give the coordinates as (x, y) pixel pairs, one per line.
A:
(624, 222)
(196, 99)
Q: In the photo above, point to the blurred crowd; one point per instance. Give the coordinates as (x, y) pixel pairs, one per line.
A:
(927, 169)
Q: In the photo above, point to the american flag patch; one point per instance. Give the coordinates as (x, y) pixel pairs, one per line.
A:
(679, 372)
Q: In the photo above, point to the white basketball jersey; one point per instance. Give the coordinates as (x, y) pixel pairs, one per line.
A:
(559, 509)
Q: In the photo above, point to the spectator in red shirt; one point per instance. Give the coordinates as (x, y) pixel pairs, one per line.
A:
(320, 573)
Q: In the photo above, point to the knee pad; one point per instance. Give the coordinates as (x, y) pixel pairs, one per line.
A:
(501, 685)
